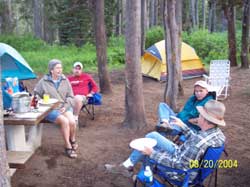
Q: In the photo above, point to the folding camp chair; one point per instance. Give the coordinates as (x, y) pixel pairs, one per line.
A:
(89, 107)
(208, 164)
(219, 76)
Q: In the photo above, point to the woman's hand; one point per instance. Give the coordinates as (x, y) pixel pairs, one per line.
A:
(62, 110)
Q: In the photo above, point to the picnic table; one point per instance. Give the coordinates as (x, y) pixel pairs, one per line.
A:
(24, 133)
(15, 128)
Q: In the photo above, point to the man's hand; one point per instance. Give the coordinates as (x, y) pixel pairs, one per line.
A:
(147, 150)
(193, 121)
(62, 110)
(89, 95)
(177, 121)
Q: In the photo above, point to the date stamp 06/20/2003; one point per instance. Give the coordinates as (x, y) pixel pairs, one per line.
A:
(227, 163)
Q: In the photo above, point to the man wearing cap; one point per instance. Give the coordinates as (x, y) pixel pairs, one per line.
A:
(57, 86)
(189, 114)
(179, 156)
(83, 86)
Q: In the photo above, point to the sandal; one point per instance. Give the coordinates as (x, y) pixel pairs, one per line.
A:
(70, 152)
(74, 145)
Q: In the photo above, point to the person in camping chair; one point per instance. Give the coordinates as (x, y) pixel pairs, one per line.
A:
(83, 86)
(167, 153)
(189, 114)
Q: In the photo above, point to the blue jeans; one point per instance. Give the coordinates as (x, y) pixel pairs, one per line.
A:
(164, 113)
(163, 144)
(54, 114)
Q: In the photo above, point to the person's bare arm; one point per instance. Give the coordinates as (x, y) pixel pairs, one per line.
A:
(193, 121)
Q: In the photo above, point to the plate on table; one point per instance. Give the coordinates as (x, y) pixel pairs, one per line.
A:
(51, 101)
(28, 115)
(140, 143)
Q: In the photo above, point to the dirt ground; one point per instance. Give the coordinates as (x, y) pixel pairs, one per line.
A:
(104, 140)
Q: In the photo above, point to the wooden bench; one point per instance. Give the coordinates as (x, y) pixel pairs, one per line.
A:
(11, 171)
(17, 159)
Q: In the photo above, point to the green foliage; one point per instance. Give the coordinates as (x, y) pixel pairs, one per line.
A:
(38, 60)
(110, 8)
(153, 35)
(38, 54)
(23, 43)
(209, 46)
(74, 21)
(116, 51)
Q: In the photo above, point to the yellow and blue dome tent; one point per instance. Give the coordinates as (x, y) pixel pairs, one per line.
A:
(153, 62)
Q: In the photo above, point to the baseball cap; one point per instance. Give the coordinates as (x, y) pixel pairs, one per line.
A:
(78, 64)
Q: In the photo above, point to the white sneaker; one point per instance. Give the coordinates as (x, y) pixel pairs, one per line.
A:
(119, 169)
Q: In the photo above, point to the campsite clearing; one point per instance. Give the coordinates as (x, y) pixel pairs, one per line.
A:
(103, 140)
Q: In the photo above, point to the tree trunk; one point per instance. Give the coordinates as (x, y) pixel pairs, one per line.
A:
(224, 22)
(123, 16)
(6, 23)
(148, 14)
(196, 8)
(50, 32)
(212, 16)
(151, 13)
(134, 100)
(155, 12)
(173, 57)
(204, 14)
(100, 36)
(245, 35)
(179, 24)
(118, 18)
(192, 13)
(160, 11)
(143, 24)
(4, 177)
(229, 13)
(38, 18)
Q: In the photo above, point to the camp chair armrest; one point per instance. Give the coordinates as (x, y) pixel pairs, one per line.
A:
(164, 168)
(163, 171)
(205, 77)
(169, 169)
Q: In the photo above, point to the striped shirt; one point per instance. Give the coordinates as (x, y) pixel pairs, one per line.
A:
(192, 149)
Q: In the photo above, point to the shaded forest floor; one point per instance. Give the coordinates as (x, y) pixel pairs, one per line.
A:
(104, 140)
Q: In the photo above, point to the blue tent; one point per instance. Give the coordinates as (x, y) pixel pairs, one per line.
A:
(13, 64)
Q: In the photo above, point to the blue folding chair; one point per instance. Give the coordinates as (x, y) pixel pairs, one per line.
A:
(208, 164)
(89, 107)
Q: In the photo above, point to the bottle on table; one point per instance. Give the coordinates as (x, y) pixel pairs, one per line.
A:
(34, 102)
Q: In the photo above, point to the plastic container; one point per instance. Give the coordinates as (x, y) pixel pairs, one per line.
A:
(21, 103)
(148, 175)
(12, 85)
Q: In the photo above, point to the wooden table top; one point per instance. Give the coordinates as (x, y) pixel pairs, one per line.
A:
(30, 118)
